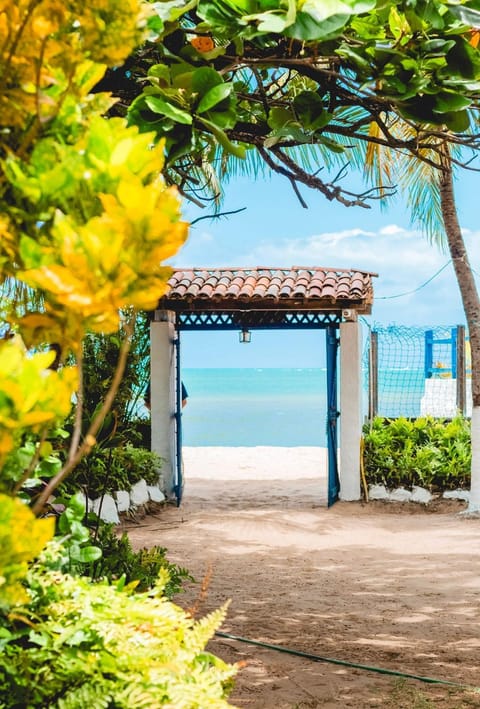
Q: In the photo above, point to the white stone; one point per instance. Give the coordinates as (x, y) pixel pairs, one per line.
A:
(378, 492)
(123, 500)
(155, 494)
(457, 495)
(106, 509)
(139, 493)
(421, 494)
(400, 495)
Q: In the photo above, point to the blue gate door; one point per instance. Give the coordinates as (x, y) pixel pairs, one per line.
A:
(178, 472)
(332, 416)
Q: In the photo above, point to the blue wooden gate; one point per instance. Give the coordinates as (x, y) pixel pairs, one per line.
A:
(178, 464)
(212, 320)
(332, 415)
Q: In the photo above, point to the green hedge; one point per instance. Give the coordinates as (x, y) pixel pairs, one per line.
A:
(432, 453)
(106, 470)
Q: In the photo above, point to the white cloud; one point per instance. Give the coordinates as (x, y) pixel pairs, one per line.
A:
(404, 261)
(395, 230)
(202, 237)
(380, 251)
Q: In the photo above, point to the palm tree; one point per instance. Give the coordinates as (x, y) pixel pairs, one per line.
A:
(471, 305)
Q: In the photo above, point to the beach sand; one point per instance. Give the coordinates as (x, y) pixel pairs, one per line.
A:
(387, 585)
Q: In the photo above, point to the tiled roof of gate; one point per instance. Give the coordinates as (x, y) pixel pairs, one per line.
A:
(295, 287)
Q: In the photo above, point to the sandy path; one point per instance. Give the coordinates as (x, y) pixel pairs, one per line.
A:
(392, 586)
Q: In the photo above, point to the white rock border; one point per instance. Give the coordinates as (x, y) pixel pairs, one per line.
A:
(109, 507)
(419, 495)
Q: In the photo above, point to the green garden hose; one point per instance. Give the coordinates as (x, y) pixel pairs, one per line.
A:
(344, 663)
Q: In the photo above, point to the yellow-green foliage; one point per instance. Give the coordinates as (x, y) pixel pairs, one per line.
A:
(22, 537)
(86, 222)
(86, 219)
(97, 645)
(31, 395)
(44, 42)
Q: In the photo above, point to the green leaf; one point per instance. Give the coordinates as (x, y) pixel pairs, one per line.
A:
(49, 467)
(463, 60)
(306, 28)
(289, 132)
(160, 71)
(204, 79)
(446, 102)
(321, 10)
(85, 555)
(457, 121)
(214, 96)
(223, 119)
(279, 117)
(356, 58)
(322, 19)
(79, 532)
(159, 105)
(331, 144)
(77, 505)
(467, 15)
(439, 45)
(237, 150)
(31, 253)
(398, 23)
(171, 10)
(310, 110)
(274, 19)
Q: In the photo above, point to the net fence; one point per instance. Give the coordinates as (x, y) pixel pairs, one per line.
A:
(417, 371)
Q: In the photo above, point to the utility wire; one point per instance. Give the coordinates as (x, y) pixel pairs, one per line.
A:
(415, 290)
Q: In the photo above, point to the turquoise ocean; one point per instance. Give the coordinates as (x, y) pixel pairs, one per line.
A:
(268, 407)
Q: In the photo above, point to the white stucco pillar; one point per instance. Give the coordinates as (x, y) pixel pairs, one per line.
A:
(350, 409)
(474, 501)
(162, 396)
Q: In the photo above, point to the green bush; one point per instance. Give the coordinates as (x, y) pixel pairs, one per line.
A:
(69, 642)
(431, 453)
(106, 470)
(99, 357)
(143, 567)
(82, 644)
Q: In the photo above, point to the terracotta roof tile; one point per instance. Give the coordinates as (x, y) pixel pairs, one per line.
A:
(292, 288)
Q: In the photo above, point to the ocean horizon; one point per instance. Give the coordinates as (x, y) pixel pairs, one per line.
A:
(260, 406)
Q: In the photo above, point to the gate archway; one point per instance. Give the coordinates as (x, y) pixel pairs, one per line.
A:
(247, 299)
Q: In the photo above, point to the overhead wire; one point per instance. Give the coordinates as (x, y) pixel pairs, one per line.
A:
(415, 290)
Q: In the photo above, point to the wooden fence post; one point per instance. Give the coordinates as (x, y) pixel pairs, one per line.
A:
(373, 376)
(461, 371)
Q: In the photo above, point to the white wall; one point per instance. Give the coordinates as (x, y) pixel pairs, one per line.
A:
(350, 409)
(162, 397)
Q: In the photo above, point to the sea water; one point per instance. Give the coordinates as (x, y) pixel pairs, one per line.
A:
(278, 407)
(254, 407)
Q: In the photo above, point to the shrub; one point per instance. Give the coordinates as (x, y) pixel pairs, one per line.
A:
(68, 642)
(108, 469)
(432, 453)
(143, 567)
(80, 644)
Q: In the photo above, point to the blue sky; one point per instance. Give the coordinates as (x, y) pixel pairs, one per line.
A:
(276, 231)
